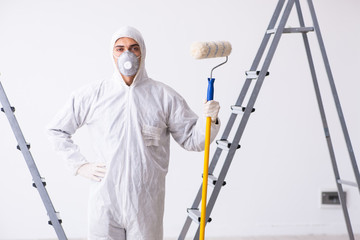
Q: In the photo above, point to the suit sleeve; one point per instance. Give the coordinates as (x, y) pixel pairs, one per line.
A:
(187, 128)
(60, 130)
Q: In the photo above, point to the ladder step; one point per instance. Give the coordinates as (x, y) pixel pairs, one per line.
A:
(27, 145)
(292, 30)
(224, 144)
(212, 180)
(58, 216)
(239, 109)
(12, 109)
(353, 184)
(254, 74)
(298, 30)
(195, 215)
(42, 180)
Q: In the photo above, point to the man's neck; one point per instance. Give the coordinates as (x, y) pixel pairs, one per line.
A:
(128, 79)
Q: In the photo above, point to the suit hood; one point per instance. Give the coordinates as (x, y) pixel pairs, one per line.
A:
(133, 33)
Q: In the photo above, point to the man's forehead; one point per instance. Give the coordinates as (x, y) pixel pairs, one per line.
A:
(124, 45)
(126, 41)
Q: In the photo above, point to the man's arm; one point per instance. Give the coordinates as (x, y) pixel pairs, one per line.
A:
(187, 128)
(60, 131)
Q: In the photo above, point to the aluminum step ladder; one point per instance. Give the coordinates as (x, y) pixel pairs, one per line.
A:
(257, 77)
(38, 182)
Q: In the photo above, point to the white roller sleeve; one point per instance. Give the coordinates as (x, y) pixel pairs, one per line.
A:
(214, 49)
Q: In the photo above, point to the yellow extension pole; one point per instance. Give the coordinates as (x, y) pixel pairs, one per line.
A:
(205, 178)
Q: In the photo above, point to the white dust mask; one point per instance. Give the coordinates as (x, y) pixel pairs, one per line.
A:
(128, 63)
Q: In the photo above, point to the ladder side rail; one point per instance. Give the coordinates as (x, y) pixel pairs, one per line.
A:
(248, 110)
(253, 67)
(31, 165)
(258, 57)
(266, 37)
(185, 228)
(335, 94)
(232, 118)
(248, 81)
(324, 122)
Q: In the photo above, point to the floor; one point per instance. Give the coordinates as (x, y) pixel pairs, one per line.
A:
(309, 237)
(306, 237)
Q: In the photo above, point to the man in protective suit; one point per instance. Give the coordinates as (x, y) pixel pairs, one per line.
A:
(130, 118)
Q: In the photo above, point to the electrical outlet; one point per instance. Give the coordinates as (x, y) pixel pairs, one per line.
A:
(330, 198)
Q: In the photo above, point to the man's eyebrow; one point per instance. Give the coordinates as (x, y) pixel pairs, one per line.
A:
(133, 45)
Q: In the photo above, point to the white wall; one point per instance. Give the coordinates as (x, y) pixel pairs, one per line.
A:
(50, 48)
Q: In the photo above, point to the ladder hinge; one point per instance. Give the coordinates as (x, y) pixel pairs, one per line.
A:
(224, 144)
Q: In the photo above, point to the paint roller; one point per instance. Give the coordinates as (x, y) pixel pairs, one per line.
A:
(201, 50)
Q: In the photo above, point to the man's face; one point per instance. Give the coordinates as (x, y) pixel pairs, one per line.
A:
(122, 45)
(126, 44)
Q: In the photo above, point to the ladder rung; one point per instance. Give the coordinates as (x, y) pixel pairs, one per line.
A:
(239, 109)
(224, 144)
(27, 145)
(271, 31)
(298, 30)
(42, 180)
(212, 180)
(58, 216)
(12, 109)
(195, 215)
(353, 184)
(292, 30)
(254, 74)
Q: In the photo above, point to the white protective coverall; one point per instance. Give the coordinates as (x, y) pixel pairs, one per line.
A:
(130, 127)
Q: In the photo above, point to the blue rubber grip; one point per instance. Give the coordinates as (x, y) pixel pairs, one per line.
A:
(210, 90)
